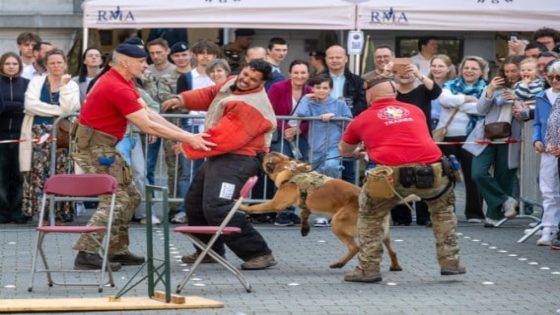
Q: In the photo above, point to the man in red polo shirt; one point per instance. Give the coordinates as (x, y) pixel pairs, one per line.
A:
(395, 135)
(240, 120)
(112, 102)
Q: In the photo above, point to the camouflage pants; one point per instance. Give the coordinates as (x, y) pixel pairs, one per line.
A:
(373, 211)
(107, 160)
(173, 169)
(34, 180)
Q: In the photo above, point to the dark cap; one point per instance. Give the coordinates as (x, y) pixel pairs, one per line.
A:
(130, 50)
(134, 41)
(179, 47)
(316, 53)
(244, 32)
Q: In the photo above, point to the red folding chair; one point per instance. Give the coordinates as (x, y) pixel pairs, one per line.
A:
(191, 233)
(67, 187)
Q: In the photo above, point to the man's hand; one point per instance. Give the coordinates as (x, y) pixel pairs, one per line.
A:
(197, 141)
(172, 104)
(152, 139)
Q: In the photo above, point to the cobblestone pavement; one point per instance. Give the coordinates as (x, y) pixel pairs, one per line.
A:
(503, 277)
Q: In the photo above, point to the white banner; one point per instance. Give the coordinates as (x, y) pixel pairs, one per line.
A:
(277, 14)
(459, 15)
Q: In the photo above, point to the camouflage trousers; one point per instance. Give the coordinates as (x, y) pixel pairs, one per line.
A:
(373, 211)
(100, 159)
(34, 180)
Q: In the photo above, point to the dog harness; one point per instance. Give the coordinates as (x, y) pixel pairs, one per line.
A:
(308, 181)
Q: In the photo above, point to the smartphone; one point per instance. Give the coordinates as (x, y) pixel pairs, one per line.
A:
(513, 38)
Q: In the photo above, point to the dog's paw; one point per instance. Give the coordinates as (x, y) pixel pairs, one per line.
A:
(305, 230)
(337, 265)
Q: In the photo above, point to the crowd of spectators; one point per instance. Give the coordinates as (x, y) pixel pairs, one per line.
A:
(464, 98)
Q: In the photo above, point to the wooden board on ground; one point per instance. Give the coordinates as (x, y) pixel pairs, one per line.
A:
(101, 304)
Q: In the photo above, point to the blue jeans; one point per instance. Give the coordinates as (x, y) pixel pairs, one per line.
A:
(152, 156)
(328, 163)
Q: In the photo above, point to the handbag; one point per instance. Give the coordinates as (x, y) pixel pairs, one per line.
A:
(63, 133)
(440, 133)
(497, 130)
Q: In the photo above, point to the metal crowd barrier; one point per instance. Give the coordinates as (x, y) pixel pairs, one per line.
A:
(529, 165)
(160, 177)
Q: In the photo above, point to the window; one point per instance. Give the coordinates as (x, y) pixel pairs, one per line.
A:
(451, 46)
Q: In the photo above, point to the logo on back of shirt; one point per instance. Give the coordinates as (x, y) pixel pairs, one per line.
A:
(394, 114)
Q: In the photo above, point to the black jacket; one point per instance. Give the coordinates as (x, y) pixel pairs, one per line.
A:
(353, 92)
(12, 96)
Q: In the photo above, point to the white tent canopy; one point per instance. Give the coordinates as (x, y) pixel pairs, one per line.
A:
(278, 14)
(458, 15)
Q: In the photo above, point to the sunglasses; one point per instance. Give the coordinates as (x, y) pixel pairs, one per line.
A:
(551, 78)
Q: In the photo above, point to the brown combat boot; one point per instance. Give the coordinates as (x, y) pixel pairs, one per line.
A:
(452, 268)
(370, 275)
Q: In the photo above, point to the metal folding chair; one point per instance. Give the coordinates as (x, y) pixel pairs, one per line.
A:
(72, 187)
(191, 233)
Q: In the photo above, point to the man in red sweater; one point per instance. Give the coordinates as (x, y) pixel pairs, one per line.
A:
(240, 121)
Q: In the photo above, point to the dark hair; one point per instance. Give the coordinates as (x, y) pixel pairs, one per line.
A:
(534, 44)
(205, 45)
(298, 62)
(261, 66)
(82, 72)
(318, 79)
(37, 46)
(384, 46)
(548, 53)
(7, 55)
(547, 31)
(28, 37)
(158, 41)
(276, 41)
(423, 41)
(511, 60)
(106, 67)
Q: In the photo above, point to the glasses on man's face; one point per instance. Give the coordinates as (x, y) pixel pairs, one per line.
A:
(551, 78)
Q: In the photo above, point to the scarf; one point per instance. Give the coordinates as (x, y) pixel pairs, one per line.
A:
(457, 86)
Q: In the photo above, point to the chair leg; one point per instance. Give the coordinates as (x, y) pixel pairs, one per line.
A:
(34, 262)
(207, 250)
(44, 259)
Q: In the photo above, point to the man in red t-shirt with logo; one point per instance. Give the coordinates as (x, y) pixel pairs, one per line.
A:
(111, 103)
(395, 138)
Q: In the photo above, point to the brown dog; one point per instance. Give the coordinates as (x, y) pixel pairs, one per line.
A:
(318, 194)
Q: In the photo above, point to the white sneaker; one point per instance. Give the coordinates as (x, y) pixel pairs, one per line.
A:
(510, 207)
(474, 220)
(179, 218)
(533, 224)
(321, 222)
(548, 235)
(490, 223)
(155, 220)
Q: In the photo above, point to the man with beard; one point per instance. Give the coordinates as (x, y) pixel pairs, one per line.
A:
(40, 49)
(240, 120)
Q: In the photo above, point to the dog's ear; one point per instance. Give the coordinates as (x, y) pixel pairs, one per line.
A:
(269, 167)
